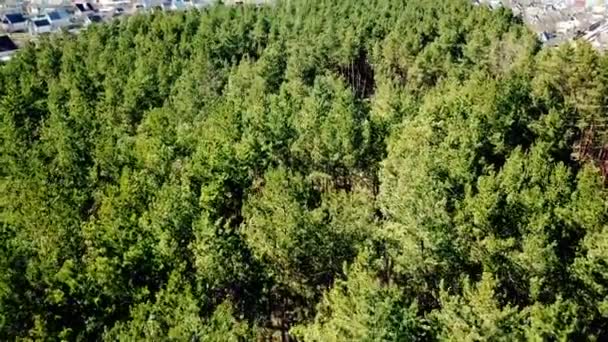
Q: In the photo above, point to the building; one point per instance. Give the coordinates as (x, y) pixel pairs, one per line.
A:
(111, 12)
(113, 3)
(92, 19)
(39, 26)
(80, 9)
(546, 37)
(59, 19)
(38, 7)
(7, 48)
(14, 22)
(83, 8)
(33, 9)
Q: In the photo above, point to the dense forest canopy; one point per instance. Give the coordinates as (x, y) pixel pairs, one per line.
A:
(314, 170)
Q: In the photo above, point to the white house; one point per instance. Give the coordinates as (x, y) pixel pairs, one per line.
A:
(14, 22)
(83, 8)
(39, 26)
(545, 36)
(39, 7)
(59, 19)
(80, 9)
(32, 9)
(112, 12)
(7, 48)
(106, 11)
(113, 3)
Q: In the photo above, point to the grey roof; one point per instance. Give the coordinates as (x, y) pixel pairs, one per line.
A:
(15, 18)
(7, 44)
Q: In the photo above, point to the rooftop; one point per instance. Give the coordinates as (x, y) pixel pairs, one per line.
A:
(15, 17)
(41, 22)
(95, 18)
(7, 44)
(58, 15)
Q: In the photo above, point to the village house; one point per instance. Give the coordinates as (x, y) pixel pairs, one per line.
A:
(92, 19)
(83, 8)
(7, 48)
(39, 25)
(14, 22)
(59, 19)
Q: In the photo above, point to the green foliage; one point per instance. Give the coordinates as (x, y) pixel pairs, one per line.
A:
(302, 236)
(348, 170)
(174, 315)
(360, 308)
(477, 315)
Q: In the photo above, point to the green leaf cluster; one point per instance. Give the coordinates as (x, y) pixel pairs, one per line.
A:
(310, 170)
